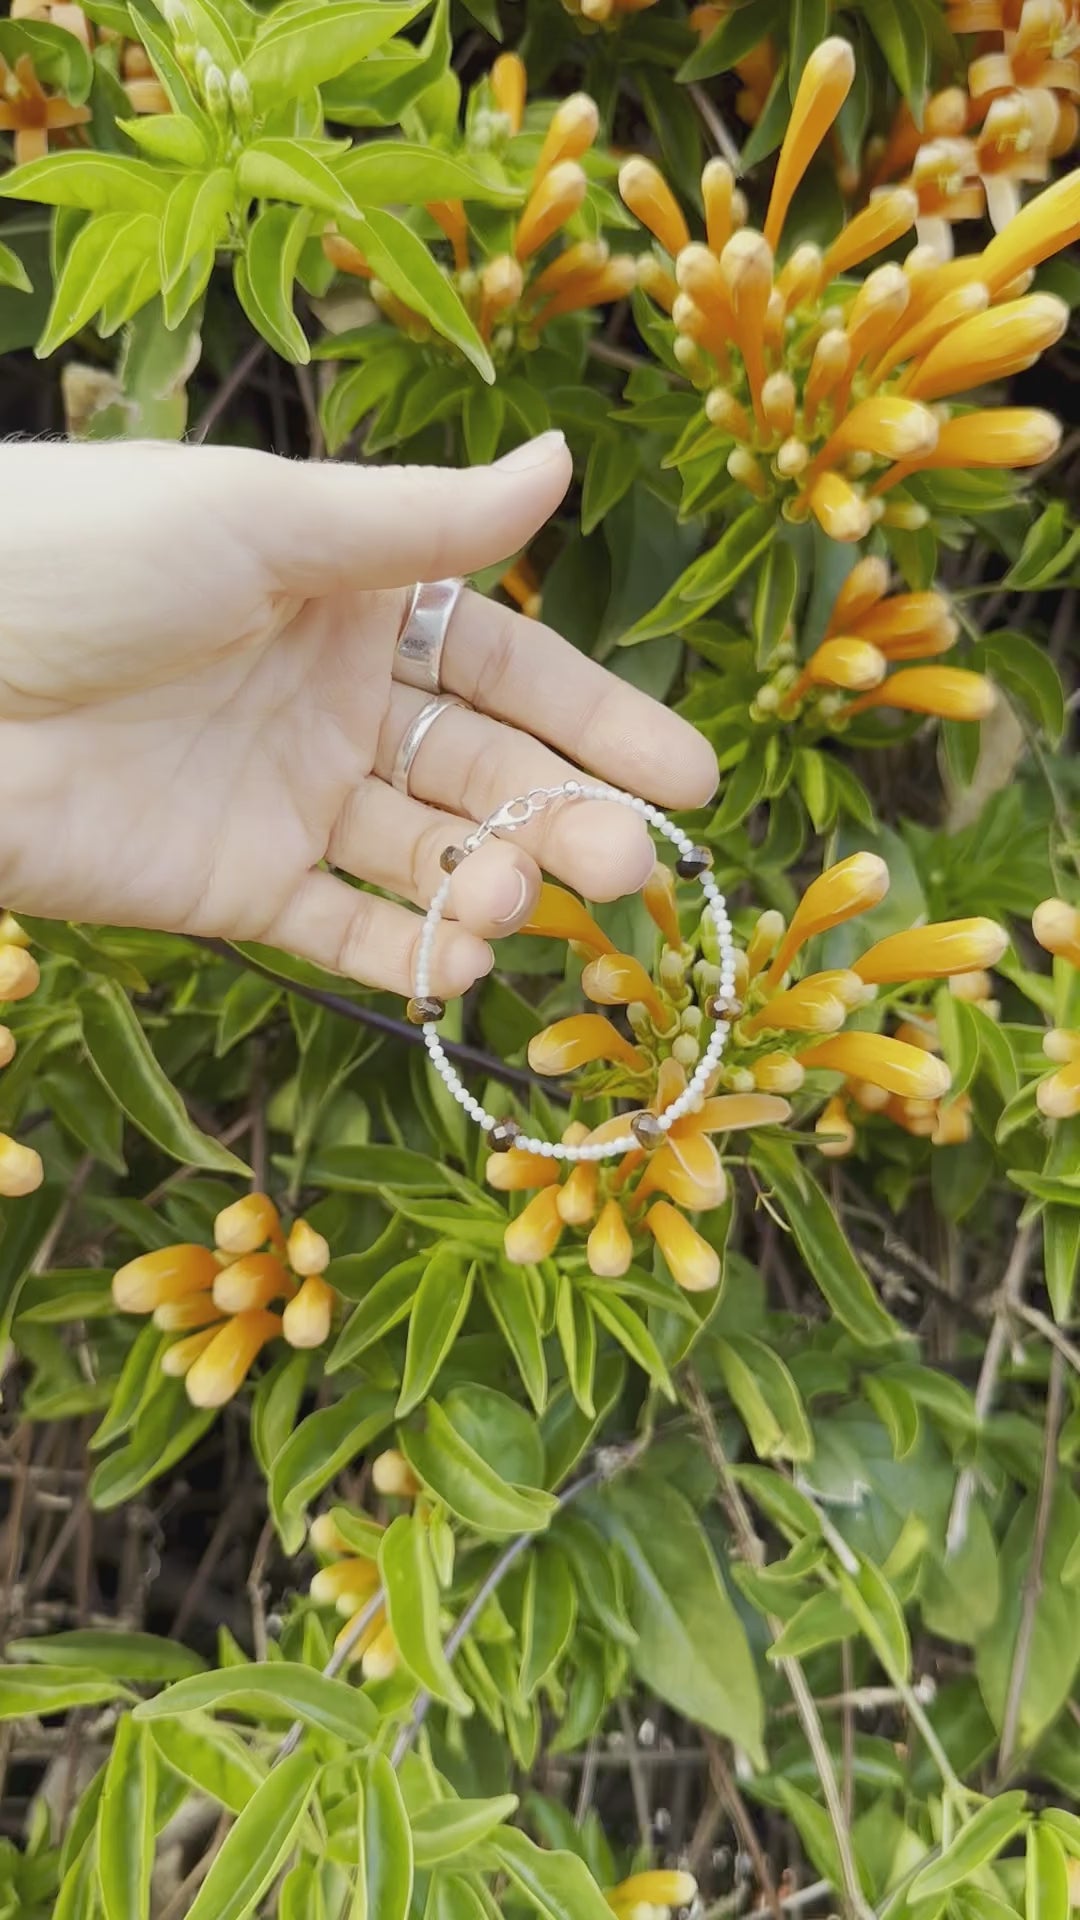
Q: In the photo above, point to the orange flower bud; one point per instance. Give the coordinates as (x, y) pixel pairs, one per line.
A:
(840, 893)
(559, 915)
(221, 1370)
(717, 191)
(184, 1316)
(747, 267)
(577, 1198)
(517, 1171)
(953, 1123)
(501, 286)
(20, 974)
(999, 437)
(886, 425)
(324, 1536)
(694, 1265)
(656, 281)
(610, 283)
(574, 126)
(359, 1647)
(875, 1099)
(799, 278)
(973, 986)
(247, 1224)
(778, 1073)
(650, 199)
(308, 1315)
(21, 1170)
(7, 1046)
(886, 218)
(12, 932)
(829, 363)
(768, 930)
(550, 205)
(925, 332)
(688, 1169)
(900, 1069)
(953, 693)
(609, 1249)
(1047, 224)
(509, 83)
(179, 1359)
(171, 1273)
(252, 1281)
(731, 1112)
(823, 87)
(307, 1251)
(391, 1474)
(917, 1117)
(357, 1577)
(841, 512)
(655, 1889)
(577, 1040)
(834, 1129)
(846, 662)
(1058, 1096)
(1061, 1045)
(1056, 927)
(536, 1231)
(345, 257)
(584, 257)
(933, 952)
(615, 979)
(381, 1658)
(818, 1004)
(909, 625)
(450, 215)
(990, 346)
(658, 895)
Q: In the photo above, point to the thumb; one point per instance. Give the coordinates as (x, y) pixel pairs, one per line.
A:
(329, 525)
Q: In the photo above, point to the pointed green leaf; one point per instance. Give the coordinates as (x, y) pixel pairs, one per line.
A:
(123, 1060)
(256, 1848)
(412, 1603)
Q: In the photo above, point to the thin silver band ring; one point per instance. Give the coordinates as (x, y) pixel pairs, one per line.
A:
(418, 654)
(415, 734)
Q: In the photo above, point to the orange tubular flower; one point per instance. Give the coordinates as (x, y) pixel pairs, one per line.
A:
(578, 1196)
(990, 346)
(550, 205)
(558, 915)
(573, 128)
(392, 1475)
(838, 894)
(247, 1224)
(903, 1070)
(536, 1231)
(156, 1279)
(21, 1171)
(1056, 927)
(824, 86)
(649, 197)
(251, 1281)
(518, 1172)
(610, 1248)
(694, 1265)
(934, 952)
(307, 1318)
(179, 1359)
(818, 1004)
(950, 693)
(614, 979)
(224, 1364)
(581, 1038)
(20, 974)
(852, 664)
(509, 84)
(658, 895)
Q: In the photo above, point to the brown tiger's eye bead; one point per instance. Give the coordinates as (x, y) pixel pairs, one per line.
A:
(451, 858)
(646, 1130)
(504, 1134)
(721, 1006)
(691, 866)
(429, 1008)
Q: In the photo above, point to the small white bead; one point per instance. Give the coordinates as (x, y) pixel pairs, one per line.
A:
(487, 1121)
(547, 1148)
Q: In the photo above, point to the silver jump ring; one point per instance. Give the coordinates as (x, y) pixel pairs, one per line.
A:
(415, 734)
(418, 654)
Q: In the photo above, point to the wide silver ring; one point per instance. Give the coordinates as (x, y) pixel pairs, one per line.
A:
(415, 734)
(418, 654)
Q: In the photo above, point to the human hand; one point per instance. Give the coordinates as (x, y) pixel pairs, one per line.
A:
(197, 709)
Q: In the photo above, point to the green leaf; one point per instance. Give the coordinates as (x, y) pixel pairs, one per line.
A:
(441, 1303)
(981, 1840)
(821, 1621)
(370, 1168)
(558, 1885)
(610, 472)
(412, 1603)
(387, 1303)
(257, 1846)
(167, 1428)
(212, 1757)
(632, 1334)
(768, 1399)
(1053, 1654)
(825, 1247)
(265, 276)
(195, 220)
(1026, 670)
(125, 1827)
(901, 34)
(357, 392)
(388, 1854)
(12, 272)
(449, 1827)
(549, 1616)
(270, 1691)
(274, 1407)
(598, 1573)
(710, 578)
(59, 58)
(286, 170)
(470, 1487)
(814, 1828)
(1046, 1875)
(25, 1228)
(322, 1444)
(126, 1656)
(482, 418)
(39, 1691)
(692, 1647)
(513, 1306)
(106, 253)
(121, 1056)
(387, 173)
(107, 183)
(300, 47)
(872, 1602)
(170, 137)
(402, 260)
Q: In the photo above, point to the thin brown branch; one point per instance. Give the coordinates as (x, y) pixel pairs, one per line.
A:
(227, 392)
(726, 1788)
(1008, 1299)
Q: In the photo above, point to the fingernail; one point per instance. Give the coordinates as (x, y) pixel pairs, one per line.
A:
(510, 895)
(533, 453)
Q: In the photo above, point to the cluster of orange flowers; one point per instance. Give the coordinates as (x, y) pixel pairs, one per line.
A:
(219, 1299)
(865, 659)
(780, 1029)
(514, 295)
(831, 391)
(32, 114)
(21, 1170)
(348, 1578)
(1056, 927)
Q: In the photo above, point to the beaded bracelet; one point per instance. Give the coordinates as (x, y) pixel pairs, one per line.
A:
(426, 1010)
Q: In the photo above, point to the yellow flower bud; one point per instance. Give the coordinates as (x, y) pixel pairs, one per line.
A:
(357, 1577)
(650, 199)
(953, 1123)
(307, 1318)
(359, 1647)
(614, 979)
(990, 346)
(850, 663)
(924, 333)
(818, 1004)
(580, 1038)
(688, 1169)
(1056, 927)
(391, 1474)
(887, 425)
(656, 1889)
(823, 87)
(973, 986)
(609, 1249)
(221, 1370)
(19, 973)
(900, 1069)
(21, 1171)
(184, 1316)
(559, 915)
(155, 1279)
(1047, 224)
(886, 218)
(1061, 1045)
(933, 952)
(451, 217)
(577, 1198)
(909, 626)
(307, 1251)
(509, 83)
(608, 283)
(345, 257)
(1001, 437)
(778, 1073)
(778, 402)
(717, 192)
(517, 1171)
(501, 286)
(584, 257)
(7, 1046)
(574, 126)
(550, 205)
(380, 1659)
(694, 1265)
(768, 930)
(800, 276)
(1058, 1096)
(747, 267)
(656, 281)
(952, 693)
(840, 511)
(536, 1231)
(247, 1224)
(840, 893)
(658, 895)
(252, 1281)
(834, 1129)
(179, 1359)
(829, 363)
(12, 932)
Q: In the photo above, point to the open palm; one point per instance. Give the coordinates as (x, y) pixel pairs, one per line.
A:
(198, 720)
